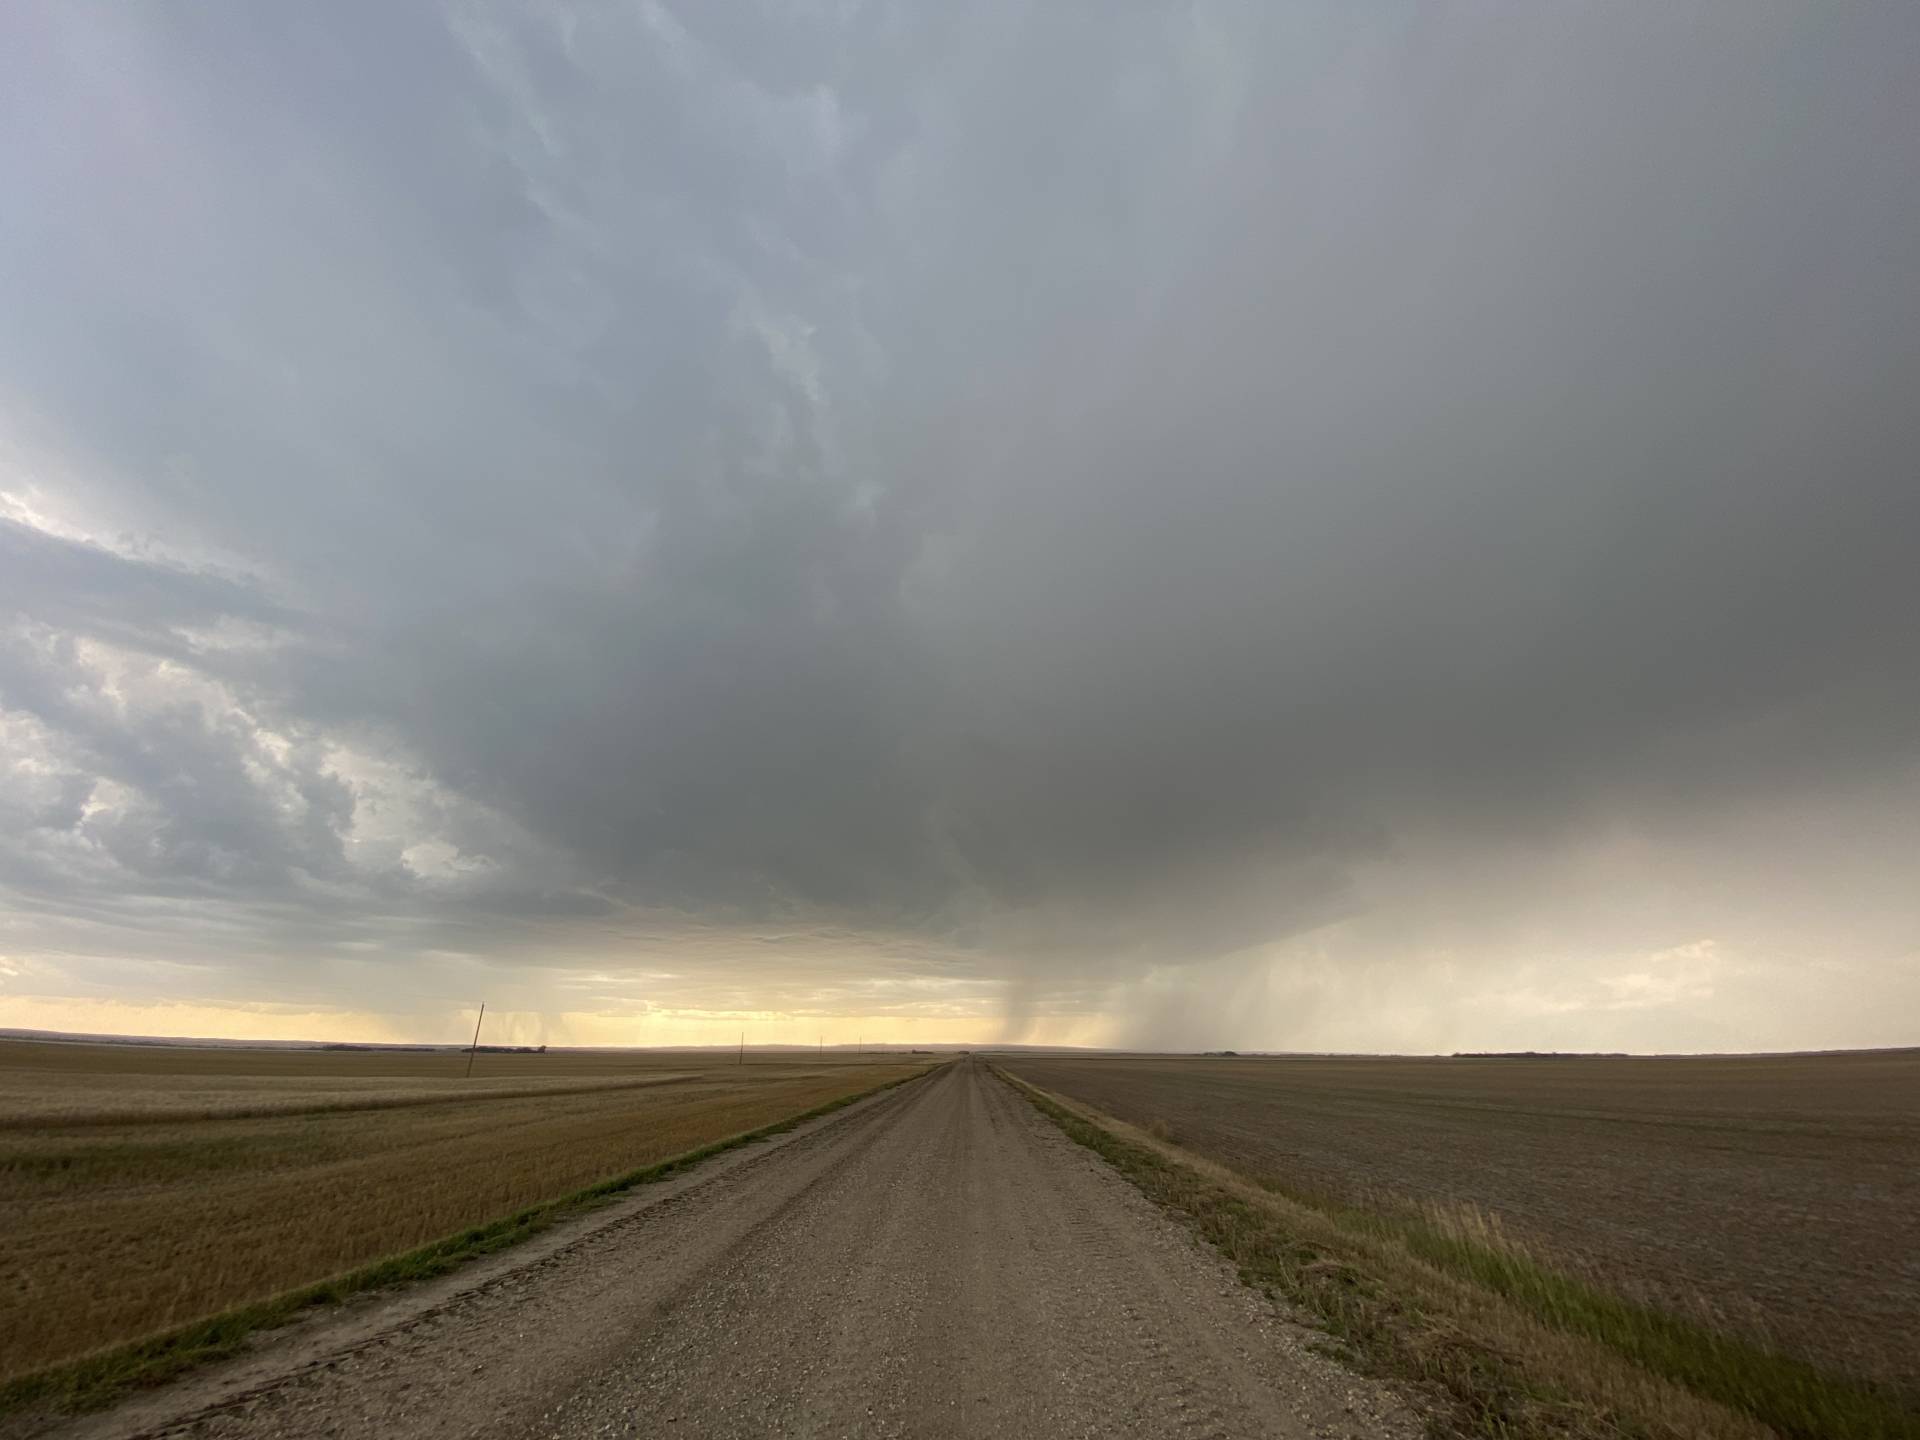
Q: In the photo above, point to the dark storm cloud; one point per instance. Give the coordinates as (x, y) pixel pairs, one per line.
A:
(1075, 491)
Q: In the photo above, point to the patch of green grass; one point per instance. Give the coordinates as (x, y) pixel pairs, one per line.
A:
(1792, 1396)
(1370, 1299)
(100, 1379)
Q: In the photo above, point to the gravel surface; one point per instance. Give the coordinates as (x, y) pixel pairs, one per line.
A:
(939, 1260)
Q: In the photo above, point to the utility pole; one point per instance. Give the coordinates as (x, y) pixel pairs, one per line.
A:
(743, 1047)
(475, 1050)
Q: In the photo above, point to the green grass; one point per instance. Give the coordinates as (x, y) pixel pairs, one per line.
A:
(100, 1379)
(1364, 1273)
(1792, 1396)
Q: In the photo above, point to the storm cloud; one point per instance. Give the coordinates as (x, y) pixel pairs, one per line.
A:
(1313, 525)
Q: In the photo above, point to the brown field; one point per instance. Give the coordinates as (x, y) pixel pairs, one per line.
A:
(145, 1187)
(1778, 1196)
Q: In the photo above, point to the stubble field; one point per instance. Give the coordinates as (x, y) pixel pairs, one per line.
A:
(1777, 1197)
(142, 1188)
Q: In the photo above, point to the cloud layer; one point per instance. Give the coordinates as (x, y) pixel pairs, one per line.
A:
(1301, 527)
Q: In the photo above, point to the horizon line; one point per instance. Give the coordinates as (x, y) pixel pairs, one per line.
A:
(84, 1037)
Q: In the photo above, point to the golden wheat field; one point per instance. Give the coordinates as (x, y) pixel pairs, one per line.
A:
(143, 1187)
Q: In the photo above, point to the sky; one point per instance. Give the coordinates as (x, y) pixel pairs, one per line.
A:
(1386, 527)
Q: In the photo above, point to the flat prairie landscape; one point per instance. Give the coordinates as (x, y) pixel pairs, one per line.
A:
(1779, 1196)
(143, 1187)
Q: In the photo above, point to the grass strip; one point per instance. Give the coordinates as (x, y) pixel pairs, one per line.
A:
(346, 1105)
(98, 1380)
(1515, 1347)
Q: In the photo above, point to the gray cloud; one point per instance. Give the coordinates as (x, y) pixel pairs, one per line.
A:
(1028, 505)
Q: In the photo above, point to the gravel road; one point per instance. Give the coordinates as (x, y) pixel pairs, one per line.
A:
(938, 1260)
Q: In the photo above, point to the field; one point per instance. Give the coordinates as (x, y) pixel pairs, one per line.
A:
(145, 1187)
(1772, 1197)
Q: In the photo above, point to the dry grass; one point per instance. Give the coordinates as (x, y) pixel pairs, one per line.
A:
(142, 1189)
(1520, 1338)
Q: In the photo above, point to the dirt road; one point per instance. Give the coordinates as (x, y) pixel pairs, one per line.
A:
(936, 1261)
